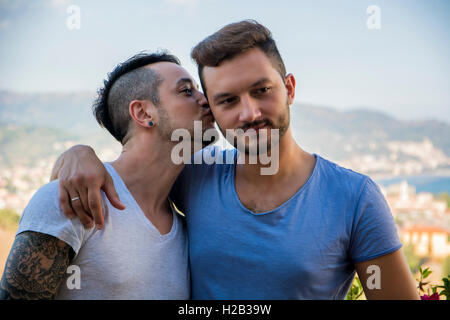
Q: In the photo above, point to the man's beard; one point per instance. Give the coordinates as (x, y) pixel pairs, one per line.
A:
(282, 124)
(166, 128)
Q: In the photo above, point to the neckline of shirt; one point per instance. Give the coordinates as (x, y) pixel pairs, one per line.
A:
(139, 213)
(296, 194)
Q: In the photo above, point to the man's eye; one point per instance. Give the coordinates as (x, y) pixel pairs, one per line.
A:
(227, 101)
(187, 91)
(263, 90)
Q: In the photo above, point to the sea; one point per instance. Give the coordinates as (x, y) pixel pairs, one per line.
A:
(423, 183)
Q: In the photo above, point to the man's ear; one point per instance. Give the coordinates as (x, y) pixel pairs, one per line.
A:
(289, 82)
(143, 112)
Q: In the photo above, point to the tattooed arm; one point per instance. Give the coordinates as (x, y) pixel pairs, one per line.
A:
(35, 267)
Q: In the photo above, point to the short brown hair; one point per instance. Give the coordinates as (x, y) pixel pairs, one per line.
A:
(233, 39)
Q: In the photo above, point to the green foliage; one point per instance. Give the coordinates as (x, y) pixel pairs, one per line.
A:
(446, 287)
(356, 290)
(430, 290)
(446, 265)
(423, 286)
(413, 260)
(9, 219)
(444, 196)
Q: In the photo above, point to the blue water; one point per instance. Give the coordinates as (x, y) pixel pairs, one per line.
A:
(433, 184)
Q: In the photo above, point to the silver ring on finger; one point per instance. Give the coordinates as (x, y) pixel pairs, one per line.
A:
(75, 199)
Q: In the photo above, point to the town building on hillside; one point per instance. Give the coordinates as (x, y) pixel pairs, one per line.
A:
(422, 220)
(427, 241)
(402, 198)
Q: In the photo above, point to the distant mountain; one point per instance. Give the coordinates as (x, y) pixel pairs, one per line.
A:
(69, 112)
(20, 144)
(342, 133)
(33, 126)
(34, 130)
(30, 123)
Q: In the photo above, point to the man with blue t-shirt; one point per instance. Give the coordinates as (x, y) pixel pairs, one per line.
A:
(300, 232)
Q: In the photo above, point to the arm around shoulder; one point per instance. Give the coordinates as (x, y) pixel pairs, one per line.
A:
(81, 175)
(67, 155)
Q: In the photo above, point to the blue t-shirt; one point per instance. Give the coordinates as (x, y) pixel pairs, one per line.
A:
(304, 249)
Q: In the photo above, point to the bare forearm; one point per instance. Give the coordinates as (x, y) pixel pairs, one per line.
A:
(35, 267)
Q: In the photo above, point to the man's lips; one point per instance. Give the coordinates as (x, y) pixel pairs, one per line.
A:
(261, 126)
(258, 127)
(207, 113)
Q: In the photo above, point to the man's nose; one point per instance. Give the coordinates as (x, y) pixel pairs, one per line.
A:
(201, 100)
(249, 110)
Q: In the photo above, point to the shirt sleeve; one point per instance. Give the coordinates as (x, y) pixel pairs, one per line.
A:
(374, 233)
(43, 214)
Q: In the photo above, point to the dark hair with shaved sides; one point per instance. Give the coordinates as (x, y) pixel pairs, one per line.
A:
(127, 82)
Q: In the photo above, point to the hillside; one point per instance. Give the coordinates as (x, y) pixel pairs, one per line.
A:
(23, 144)
(70, 112)
(371, 141)
(343, 134)
(52, 123)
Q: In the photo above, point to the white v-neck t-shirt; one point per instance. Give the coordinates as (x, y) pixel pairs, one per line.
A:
(127, 259)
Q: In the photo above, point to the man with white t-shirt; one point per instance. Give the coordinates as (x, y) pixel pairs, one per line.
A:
(141, 253)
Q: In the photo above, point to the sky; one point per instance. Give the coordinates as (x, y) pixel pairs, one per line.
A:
(402, 68)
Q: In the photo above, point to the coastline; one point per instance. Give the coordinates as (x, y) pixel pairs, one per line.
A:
(433, 182)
